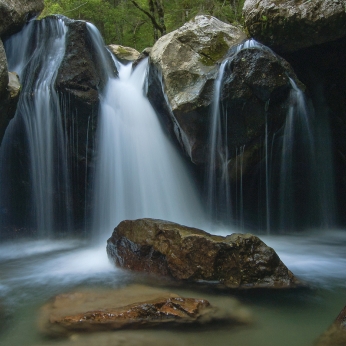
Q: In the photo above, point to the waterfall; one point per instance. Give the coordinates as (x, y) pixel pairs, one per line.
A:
(139, 173)
(218, 191)
(305, 197)
(35, 54)
(295, 176)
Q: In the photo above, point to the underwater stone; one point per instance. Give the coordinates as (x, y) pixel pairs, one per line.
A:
(237, 261)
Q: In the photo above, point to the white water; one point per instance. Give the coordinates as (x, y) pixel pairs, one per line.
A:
(39, 110)
(139, 172)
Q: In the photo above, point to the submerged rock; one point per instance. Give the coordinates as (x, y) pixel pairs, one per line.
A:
(126, 54)
(336, 334)
(15, 13)
(287, 26)
(185, 253)
(135, 307)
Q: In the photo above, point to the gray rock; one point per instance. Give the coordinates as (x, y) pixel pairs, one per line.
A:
(3, 70)
(289, 25)
(182, 73)
(15, 13)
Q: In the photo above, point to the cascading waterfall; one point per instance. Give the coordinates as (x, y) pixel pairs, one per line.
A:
(304, 197)
(218, 191)
(35, 54)
(139, 172)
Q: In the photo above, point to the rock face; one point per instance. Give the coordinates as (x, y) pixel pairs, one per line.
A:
(183, 64)
(3, 70)
(15, 13)
(8, 103)
(184, 253)
(9, 92)
(253, 76)
(336, 334)
(135, 306)
(122, 53)
(291, 25)
(80, 79)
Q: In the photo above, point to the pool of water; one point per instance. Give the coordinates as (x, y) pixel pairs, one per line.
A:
(31, 272)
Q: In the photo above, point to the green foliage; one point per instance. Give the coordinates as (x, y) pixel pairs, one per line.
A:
(120, 22)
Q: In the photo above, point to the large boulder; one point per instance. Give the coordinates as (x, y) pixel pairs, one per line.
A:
(237, 261)
(253, 76)
(336, 333)
(184, 66)
(291, 25)
(15, 13)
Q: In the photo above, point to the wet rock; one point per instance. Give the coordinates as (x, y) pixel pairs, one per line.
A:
(183, 253)
(126, 54)
(80, 79)
(144, 54)
(15, 13)
(3, 70)
(336, 334)
(184, 66)
(135, 307)
(291, 25)
(9, 92)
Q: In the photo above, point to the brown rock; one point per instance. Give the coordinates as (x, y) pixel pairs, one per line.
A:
(15, 13)
(130, 307)
(185, 253)
(287, 26)
(336, 334)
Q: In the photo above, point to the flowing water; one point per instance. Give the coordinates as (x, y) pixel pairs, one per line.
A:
(140, 174)
(31, 272)
(35, 54)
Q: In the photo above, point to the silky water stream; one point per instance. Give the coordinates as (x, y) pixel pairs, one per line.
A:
(131, 146)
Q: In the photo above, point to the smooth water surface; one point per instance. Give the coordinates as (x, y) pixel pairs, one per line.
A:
(34, 271)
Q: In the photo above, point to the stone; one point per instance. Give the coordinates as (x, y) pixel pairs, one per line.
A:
(287, 26)
(238, 261)
(80, 80)
(144, 54)
(15, 13)
(134, 306)
(183, 67)
(9, 93)
(336, 333)
(126, 54)
(3, 70)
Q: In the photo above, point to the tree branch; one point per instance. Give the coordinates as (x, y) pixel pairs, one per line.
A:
(76, 8)
(152, 18)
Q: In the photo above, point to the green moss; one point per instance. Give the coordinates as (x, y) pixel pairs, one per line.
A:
(216, 51)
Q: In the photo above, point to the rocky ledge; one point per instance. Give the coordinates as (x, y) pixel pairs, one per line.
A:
(184, 253)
